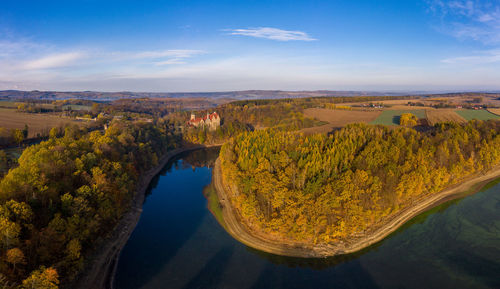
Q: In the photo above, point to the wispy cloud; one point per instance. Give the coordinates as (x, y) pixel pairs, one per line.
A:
(28, 57)
(27, 64)
(272, 33)
(54, 60)
(466, 19)
(162, 57)
(483, 57)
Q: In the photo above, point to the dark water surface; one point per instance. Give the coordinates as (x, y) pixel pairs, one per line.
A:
(179, 244)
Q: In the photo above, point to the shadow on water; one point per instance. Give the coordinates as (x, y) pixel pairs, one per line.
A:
(469, 263)
(352, 275)
(190, 159)
(211, 274)
(312, 263)
(143, 264)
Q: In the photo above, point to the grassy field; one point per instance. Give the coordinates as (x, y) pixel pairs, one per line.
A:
(470, 114)
(443, 115)
(337, 118)
(391, 117)
(213, 203)
(37, 123)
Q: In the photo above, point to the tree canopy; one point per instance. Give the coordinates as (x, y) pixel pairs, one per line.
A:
(322, 189)
(69, 192)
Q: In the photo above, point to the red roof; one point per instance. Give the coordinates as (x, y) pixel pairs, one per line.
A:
(210, 116)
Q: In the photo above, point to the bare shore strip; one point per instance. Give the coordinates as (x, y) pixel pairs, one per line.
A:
(100, 268)
(258, 240)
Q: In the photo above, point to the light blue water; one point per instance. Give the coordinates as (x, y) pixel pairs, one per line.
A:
(179, 244)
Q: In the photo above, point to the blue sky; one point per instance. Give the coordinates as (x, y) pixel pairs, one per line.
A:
(234, 45)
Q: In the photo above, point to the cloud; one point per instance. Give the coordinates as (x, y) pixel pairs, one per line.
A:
(272, 33)
(165, 57)
(484, 57)
(176, 53)
(54, 60)
(27, 58)
(477, 20)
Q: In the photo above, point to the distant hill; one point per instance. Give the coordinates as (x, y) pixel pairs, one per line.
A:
(234, 95)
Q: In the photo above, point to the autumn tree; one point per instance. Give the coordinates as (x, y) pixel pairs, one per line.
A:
(323, 189)
(43, 278)
(15, 256)
(18, 136)
(408, 119)
(70, 190)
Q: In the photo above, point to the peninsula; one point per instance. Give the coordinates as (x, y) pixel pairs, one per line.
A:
(355, 205)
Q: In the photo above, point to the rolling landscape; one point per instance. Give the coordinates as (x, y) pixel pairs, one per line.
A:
(148, 145)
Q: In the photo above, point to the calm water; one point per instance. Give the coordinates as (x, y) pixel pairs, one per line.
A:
(179, 244)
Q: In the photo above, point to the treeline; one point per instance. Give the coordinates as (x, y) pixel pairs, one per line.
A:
(237, 119)
(203, 135)
(322, 189)
(287, 114)
(280, 115)
(317, 101)
(15, 136)
(69, 192)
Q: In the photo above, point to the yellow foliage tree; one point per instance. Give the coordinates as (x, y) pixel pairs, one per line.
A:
(408, 119)
(43, 278)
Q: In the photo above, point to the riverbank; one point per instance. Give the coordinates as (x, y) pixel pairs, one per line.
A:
(100, 269)
(237, 228)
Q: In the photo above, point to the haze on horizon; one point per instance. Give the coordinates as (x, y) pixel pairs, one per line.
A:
(166, 46)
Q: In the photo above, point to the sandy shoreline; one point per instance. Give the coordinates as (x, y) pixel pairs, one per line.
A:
(240, 231)
(100, 269)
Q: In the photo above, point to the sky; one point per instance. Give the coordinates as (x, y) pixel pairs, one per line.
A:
(218, 45)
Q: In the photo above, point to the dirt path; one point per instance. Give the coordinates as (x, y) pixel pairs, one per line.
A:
(100, 269)
(257, 240)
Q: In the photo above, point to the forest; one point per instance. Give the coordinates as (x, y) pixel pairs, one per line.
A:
(237, 119)
(66, 195)
(322, 189)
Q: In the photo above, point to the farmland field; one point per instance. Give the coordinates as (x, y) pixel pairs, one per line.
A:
(495, 111)
(391, 117)
(37, 123)
(470, 114)
(443, 115)
(8, 104)
(76, 107)
(337, 118)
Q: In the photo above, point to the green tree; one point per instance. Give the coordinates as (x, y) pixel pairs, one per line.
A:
(25, 131)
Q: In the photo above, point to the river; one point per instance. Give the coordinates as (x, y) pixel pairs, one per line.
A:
(178, 243)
